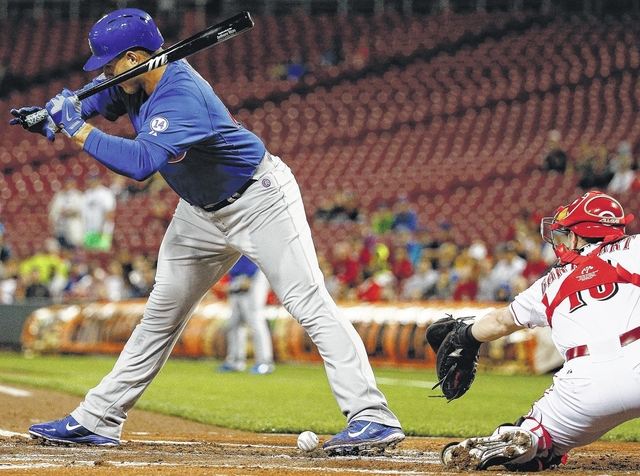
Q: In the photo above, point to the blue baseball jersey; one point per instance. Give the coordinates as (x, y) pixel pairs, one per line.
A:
(183, 131)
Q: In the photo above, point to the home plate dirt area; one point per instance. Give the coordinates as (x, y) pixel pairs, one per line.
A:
(160, 445)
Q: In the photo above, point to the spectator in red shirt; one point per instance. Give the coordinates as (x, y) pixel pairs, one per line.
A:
(466, 288)
(346, 264)
(380, 287)
(535, 267)
(401, 266)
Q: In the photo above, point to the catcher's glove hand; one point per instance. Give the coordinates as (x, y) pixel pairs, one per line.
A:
(437, 331)
(456, 355)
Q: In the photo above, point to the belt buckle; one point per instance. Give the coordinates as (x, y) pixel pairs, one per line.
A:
(231, 199)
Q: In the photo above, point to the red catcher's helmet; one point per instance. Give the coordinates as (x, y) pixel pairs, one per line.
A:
(594, 215)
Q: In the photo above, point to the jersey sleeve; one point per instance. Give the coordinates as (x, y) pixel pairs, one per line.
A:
(176, 121)
(130, 157)
(527, 307)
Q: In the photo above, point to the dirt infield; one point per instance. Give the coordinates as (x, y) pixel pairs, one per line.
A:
(160, 445)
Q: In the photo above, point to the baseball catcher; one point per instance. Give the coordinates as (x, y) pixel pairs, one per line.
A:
(590, 301)
(457, 353)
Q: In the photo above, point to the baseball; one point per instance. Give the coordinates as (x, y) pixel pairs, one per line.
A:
(308, 441)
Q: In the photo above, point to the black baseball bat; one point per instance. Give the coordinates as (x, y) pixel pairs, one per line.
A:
(200, 41)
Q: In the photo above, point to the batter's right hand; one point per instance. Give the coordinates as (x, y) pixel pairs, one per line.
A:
(45, 127)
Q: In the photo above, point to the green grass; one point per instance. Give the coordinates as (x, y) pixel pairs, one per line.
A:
(297, 397)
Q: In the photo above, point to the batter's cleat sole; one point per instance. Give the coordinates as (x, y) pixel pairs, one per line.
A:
(363, 437)
(480, 453)
(68, 432)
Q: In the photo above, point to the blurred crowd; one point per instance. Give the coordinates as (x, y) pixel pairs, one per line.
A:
(390, 258)
(76, 260)
(388, 254)
(61, 275)
(614, 172)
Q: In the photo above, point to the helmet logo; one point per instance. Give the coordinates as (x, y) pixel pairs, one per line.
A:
(605, 209)
(158, 124)
(562, 214)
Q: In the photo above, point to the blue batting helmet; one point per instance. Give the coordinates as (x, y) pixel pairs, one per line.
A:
(120, 31)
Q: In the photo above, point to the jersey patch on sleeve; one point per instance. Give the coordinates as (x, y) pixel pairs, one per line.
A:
(158, 124)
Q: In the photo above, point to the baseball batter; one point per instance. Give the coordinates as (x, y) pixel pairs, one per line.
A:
(591, 301)
(236, 198)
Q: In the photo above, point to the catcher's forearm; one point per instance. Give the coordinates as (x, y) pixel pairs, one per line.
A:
(497, 323)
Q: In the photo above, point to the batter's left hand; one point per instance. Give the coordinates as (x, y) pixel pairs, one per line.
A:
(65, 109)
(46, 127)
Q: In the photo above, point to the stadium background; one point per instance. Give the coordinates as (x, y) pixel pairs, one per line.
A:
(452, 107)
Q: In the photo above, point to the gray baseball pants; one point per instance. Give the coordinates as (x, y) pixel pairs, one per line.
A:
(268, 224)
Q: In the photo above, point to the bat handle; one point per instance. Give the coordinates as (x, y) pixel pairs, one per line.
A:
(33, 118)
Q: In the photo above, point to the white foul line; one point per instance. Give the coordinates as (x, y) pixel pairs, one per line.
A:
(14, 392)
(9, 434)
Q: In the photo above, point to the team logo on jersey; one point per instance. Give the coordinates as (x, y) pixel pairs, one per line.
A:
(587, 273)
(158, 124)
(266, 183)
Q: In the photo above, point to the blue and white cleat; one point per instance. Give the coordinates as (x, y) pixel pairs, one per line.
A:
(363, 436)
(68, 432)
(262, 369)
(228, 368)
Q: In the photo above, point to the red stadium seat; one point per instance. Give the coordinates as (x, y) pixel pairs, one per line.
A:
(467, 126)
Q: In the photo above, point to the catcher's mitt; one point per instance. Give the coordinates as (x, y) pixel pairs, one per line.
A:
(456, 355)
(437, 331)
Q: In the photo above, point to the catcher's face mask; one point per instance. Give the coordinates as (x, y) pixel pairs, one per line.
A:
(554, 233)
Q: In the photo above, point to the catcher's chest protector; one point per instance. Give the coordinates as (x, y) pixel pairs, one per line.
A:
(592, 271)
